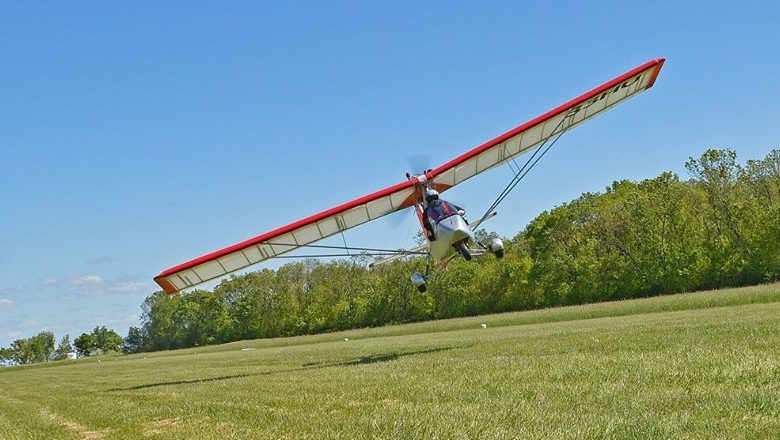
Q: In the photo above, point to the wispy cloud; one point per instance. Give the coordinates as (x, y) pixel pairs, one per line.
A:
(103, 259)
(49, 281)
(6, 303)
(10, 290)
(129, 286)
(128, 319)
(11, 335)
(86, 280)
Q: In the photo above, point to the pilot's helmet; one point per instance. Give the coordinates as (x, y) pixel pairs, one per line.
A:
(431, 195)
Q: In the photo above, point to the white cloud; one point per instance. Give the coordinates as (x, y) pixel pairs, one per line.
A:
(15, 334)
(6, 303)
(129, 286)
(103, 259)
(129, 319)
(86, 280)
(49, 281)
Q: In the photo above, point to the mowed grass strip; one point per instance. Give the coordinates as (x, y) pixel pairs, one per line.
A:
(701, 365)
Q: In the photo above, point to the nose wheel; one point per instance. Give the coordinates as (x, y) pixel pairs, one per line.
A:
(463, 250)
(420, 282)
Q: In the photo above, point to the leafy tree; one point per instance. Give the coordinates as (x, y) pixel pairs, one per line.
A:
(106, 340)
(6, 355)
(39, 348)
(85, 344)
(42, 346)
(100, 340)
(21, 351)
(63, 349)
(135, 342)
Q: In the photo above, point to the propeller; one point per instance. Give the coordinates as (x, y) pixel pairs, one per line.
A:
(396, 219)
(418, 164)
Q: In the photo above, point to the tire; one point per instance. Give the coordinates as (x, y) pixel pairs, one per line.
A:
(496, 247)
(422, 288)
(463, 250)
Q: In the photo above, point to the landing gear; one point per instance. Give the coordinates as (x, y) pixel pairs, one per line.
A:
(496, 247)
(420, 282)
(463, 250)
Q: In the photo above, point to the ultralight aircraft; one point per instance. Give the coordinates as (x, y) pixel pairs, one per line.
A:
(447, 233)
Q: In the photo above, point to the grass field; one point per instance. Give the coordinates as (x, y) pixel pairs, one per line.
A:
(700, 365)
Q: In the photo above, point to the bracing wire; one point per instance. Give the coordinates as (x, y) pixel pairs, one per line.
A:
(350, 248)
(524, 170)
(344, 239)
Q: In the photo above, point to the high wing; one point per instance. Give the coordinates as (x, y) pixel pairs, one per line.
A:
(536, 131)
(348, 215)
(288, 238)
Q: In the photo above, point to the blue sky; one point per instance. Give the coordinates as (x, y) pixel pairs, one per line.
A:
(135, 136)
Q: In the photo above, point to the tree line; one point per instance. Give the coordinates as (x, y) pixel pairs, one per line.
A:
(720, 227)
(40, 348)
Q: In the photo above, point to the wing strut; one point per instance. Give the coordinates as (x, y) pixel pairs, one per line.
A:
(362, 250)
(524, 170)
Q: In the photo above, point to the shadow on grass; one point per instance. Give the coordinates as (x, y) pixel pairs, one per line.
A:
(363, 360)
(374, 358)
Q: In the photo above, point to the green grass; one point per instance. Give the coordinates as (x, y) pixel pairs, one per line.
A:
(701, 365)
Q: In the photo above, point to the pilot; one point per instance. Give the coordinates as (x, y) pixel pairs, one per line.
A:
(437, 210)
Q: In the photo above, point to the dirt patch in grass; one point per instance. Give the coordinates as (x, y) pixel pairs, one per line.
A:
(70, 425)
(160, 426)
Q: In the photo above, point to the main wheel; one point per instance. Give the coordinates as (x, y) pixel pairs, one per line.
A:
(496, 246)
(463, 250)
(419, 281)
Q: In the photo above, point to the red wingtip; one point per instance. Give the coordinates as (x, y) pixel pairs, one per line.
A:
(660, 63)
(166, 285)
